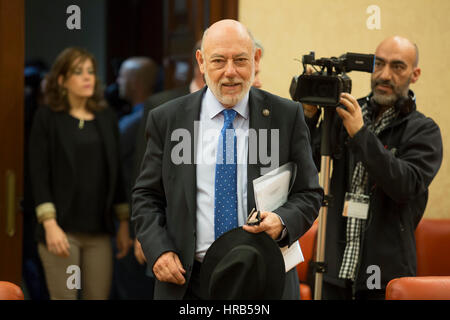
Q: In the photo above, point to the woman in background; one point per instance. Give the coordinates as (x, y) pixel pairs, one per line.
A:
(77, 181)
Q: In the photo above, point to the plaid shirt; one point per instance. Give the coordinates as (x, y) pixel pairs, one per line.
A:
(355, 226)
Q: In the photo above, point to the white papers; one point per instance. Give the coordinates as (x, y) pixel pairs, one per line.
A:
(292, 255)
(271, 191)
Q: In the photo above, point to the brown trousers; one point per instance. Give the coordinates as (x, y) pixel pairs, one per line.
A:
(89, 268)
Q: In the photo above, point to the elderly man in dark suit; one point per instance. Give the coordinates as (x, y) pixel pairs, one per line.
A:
(175, 198)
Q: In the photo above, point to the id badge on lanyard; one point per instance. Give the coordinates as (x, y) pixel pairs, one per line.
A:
(356, 206)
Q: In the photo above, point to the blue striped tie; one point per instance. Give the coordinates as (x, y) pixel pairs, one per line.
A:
(225, 195)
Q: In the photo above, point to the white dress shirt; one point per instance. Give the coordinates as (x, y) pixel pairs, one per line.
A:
(210, 125)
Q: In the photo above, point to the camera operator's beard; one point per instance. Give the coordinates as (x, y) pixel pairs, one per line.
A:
(229, 100)
(389, 99)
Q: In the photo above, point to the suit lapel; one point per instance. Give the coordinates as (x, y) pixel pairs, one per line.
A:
(260, 118)
(188, 119)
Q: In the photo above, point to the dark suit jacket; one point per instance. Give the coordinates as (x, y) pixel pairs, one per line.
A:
(52, 167)
(128, 150)
(152, 102)
(164, 197)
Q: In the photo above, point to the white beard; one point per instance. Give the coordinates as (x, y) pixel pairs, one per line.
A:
(228, 100)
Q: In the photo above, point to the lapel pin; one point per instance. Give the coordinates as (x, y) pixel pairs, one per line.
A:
(266, 112)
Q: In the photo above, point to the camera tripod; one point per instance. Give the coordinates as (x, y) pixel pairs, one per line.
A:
(320, 266)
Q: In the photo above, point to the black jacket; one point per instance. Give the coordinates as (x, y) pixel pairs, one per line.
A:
(151, 103)
(401, 163)
(52, 167)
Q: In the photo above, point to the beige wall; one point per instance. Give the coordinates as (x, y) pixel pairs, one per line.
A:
(290, 28)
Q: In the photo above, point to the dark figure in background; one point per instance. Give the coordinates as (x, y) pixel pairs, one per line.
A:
(257, 81)
(32, 270)
(119, 105)
(136, 81)
(76, 178)
(386, 156)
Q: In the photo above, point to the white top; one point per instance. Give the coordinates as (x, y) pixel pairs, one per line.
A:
(211, 123)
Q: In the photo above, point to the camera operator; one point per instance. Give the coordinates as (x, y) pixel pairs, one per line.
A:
(385, 155)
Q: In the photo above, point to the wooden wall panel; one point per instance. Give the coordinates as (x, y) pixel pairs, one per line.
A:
(11, 135)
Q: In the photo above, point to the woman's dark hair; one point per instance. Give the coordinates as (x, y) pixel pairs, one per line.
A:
(55, 95)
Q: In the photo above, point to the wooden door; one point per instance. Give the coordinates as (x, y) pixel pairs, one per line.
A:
(12, 42)
(184, 23)
(165, 30)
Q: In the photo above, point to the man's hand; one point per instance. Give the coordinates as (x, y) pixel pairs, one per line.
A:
(352, 117)
(270, 223)
(168, 268)
(139, 253)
